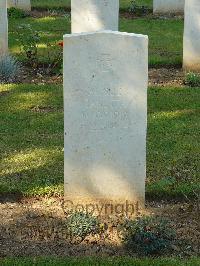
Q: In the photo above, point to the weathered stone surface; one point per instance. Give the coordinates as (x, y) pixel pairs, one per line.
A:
(105, 109)
(94, 15)
(3, 27)
(168, 6)
(21, 4)
(191, 43)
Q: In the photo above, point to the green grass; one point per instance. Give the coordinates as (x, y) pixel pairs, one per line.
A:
(99, 261)
(32, 116)
(58, 4)
(173, 141)
(165, 36)
(32, 140)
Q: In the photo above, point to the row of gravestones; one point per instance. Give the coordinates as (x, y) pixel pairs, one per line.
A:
(159, 6)
(105, 101)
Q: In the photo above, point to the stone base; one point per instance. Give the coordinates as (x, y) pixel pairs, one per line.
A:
(191, 40)
(191, 67)
(104, 208)
(168, 6)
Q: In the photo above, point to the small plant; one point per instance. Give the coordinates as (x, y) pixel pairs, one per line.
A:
(192, 79)
(148, 235)
(29, 41)
(80, 225)
(9, 68)
(16, 13)
(54, 57)
(137, 10)
(38, 54)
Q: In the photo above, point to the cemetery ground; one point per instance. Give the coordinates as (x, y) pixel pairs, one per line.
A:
(33, 222)
(65, 4)
(98, 261)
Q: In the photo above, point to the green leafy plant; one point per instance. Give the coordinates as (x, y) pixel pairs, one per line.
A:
(49, 57)
(137, 10)
(54, 59)
(16, 13)
(192, 79)
(29, 40)
(9, 68)
(148, 235)
(80, 224)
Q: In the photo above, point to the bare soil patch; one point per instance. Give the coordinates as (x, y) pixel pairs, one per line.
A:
(166, 77)
(36, 227)
(157, 77)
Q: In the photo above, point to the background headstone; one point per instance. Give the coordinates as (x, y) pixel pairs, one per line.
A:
(21, 4)
(168, 6)
(3, 27)
(191, 43)
(94, 15)
(105, 109)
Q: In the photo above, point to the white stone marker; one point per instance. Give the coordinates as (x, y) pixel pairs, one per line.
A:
(168, 6)
(191, 42)
(94, 15)
(21, 4)
(105, 110)
(3, 28)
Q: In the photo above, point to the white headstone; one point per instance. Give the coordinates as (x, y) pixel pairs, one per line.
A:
(21, 4)
(105, 110)
(191, 43)
(3, 27)
(94, 15)
(168, 6)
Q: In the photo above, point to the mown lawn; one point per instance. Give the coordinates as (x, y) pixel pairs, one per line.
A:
(32, 116)
(100, 261)
(32, 140)
(52, 4)
(165, 35)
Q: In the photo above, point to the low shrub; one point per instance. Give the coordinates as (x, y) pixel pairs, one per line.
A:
(29, 42)
(80, 225)
(49, 58)
(148, 235)
(138, 10)
(16, 13)
(192, 79)
(9, 68)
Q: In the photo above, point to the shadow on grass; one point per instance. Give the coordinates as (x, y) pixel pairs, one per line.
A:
(32, 140)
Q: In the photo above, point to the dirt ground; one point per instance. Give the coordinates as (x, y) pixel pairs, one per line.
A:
(36, 227)
(157, 76)
(166, 77)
